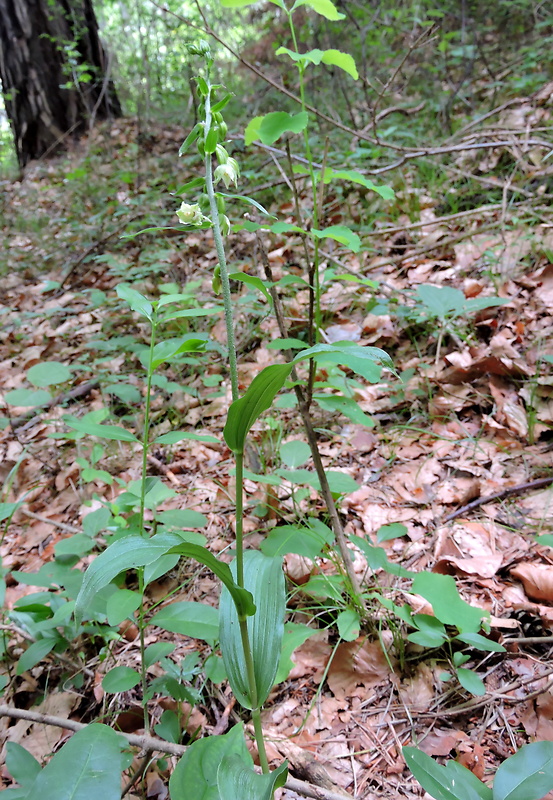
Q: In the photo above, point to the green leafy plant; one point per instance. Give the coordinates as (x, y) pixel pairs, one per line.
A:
(527, 775)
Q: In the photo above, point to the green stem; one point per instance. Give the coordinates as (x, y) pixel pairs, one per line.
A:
(221, 258)
(240, 519)
(260, 741)
(141, 632)
(146, 432)
(140, 572)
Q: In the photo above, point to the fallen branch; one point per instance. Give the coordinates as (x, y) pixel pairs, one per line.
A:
(31, 416)
(159, 745)
(509, 492)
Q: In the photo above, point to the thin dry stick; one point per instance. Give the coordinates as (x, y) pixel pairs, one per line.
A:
(509, 492)
(407, 152)
(312, 441)
(154, 744)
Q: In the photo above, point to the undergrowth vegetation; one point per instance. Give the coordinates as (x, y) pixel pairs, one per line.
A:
(260, 376)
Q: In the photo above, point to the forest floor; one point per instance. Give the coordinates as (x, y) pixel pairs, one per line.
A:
(458, 441)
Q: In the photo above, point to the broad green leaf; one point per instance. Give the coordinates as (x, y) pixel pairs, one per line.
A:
(77, 545)
(295, 453)
(257, 399)
(287, 227)
(295, 635)
(331, 57)
(545, 538)
(252, 280)
(528, 775)
(470, 681)
(157, 651)
(480, 642)
(264, 578)
(28, 398)
(341, 234)
(22, 766)
(474, 304)
(431, 632)
(182, 518)
(197, 767)
(165, 351)
(7, 509)
(377, 558)
(121, 605)
(299, 539)
(275, 123)
(339, 482)
(35, 653)
(348, 623)
(441, 592)
(184, 313)
(168, 727)
(113, 432)
(386, 192)
(325, 8)
(237, 780)
(48, 373)
(120, 679)
(174, 437)
(351, 355)
(136, 301)
(89, 765)
(443, 783)
(197, 620)
(252, 130)
(346, 406)
(135, 551)
(392, 531)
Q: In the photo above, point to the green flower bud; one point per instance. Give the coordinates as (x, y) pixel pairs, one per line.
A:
(221, 153)
(216, 281)
(221, 204)
(224, 223)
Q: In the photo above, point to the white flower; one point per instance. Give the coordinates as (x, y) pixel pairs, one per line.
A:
(228, 173)
(190, 214)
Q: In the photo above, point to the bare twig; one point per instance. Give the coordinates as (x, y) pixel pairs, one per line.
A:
(31, 416)
(408, 153)
(152, 743)
(509, 492)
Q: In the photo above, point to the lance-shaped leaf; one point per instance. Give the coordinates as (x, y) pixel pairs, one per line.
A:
(386, 192)
(113, 432)
(333, 58)
(264, 578)
(452, 782)
(528, 775)
(238, 781)
(340, 233)
(325, 8)
(198, 766)
(135, 551)
(168, 349)
(136, 301)
(258, 398)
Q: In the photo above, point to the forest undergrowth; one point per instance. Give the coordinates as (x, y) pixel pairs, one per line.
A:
(440, 466)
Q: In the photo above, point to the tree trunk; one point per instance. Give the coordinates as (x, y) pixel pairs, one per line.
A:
(55, 73)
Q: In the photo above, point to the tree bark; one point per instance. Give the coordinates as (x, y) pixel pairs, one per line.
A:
(54, 71)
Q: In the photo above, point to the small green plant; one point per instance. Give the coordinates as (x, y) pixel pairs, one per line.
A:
(527, 775)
